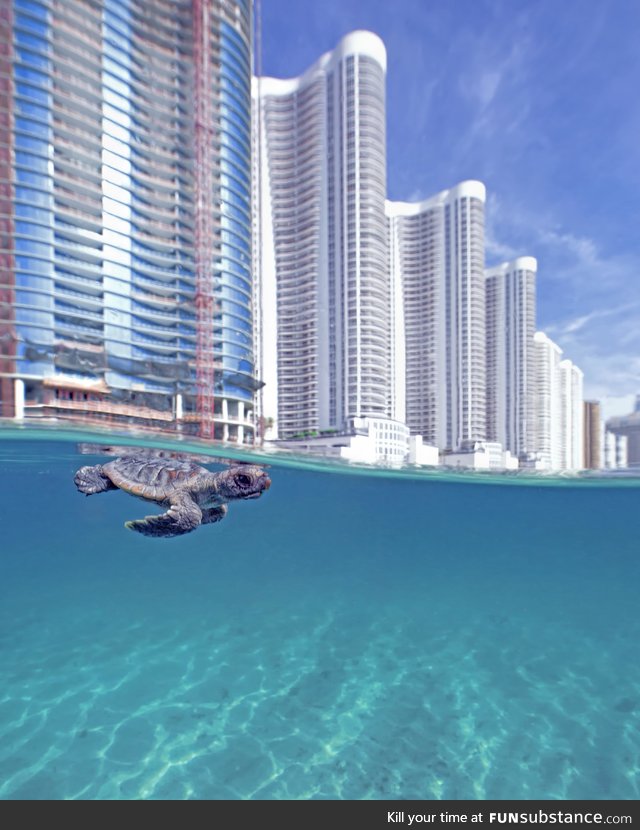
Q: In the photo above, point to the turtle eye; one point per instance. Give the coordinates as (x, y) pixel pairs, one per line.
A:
(243, 480)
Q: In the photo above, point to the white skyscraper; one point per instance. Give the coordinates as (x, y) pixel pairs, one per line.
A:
(511, 362)
(367, 308)
(571, 416)
(548, 416)
(437, 256)
(559, 422)
(323, 294)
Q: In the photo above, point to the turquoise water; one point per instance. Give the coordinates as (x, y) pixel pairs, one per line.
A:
(347, 636)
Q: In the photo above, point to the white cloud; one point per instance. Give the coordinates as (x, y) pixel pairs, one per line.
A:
(613, 377)
(588, 299)
(496, 71)
(496, 249)
(583, 249)
(612, 406)
(564, 328)
(578, 323)
(564, 257)
(610, 371)
(487, 86)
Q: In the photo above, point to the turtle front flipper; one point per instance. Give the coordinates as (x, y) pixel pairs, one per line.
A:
(183, 516)
(90, 480)
(214, 514)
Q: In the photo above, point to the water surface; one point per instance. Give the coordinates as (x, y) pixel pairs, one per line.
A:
(349, 635)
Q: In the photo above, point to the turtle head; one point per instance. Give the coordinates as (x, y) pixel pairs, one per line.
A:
(245, 481)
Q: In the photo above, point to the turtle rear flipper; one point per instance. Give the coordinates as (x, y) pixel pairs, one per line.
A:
(183, 516)
(90, 480)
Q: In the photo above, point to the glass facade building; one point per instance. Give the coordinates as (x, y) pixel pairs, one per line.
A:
(125, 213)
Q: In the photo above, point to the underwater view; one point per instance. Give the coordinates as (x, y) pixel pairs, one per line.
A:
(351, 634)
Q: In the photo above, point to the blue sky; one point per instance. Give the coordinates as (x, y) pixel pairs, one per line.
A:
(540, 100)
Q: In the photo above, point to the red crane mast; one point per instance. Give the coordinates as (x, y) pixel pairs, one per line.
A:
(203, 177)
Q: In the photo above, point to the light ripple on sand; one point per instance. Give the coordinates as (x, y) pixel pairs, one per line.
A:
(326, 706)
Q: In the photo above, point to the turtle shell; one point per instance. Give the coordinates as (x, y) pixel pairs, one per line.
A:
(151, 478)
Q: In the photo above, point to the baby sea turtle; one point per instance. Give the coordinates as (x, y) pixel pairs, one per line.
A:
(192, 494)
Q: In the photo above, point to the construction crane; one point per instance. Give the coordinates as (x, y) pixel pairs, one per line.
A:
(203, 175)
(258, 434)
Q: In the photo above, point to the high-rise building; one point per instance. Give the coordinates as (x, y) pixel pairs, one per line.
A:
(320, 245)
(571, 416)
(511, 363)
(592, 436)
(355, 322)
(547, 405)
(437, 256)
(558, 407)
(125, 213)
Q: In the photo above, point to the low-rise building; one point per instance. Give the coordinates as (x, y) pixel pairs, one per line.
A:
(480, 455)
(368, 440)
(627, 426)
(616, 451)
(421, 454)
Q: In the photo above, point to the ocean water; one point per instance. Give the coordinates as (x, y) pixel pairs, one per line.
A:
(350, 635)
